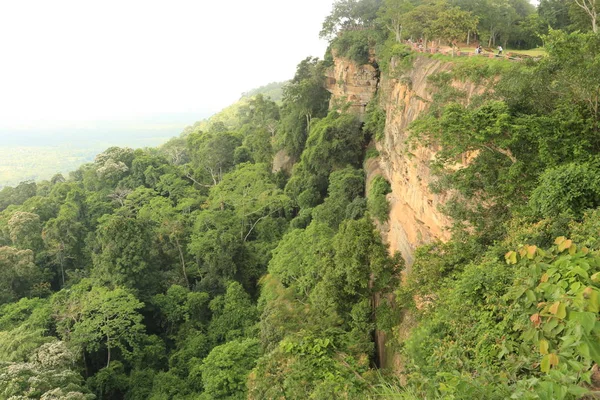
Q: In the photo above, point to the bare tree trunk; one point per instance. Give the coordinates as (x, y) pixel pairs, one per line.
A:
(182, 260)
(108, 347)
(589, 6)
(468, 38)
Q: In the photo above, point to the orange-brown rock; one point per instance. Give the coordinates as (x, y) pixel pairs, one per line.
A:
(351, 84)
(415, 218)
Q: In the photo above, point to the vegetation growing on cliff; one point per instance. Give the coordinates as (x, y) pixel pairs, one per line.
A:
(193, 271)
(511, 305)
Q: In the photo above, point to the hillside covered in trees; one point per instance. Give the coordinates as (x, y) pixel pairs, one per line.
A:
(203, 269)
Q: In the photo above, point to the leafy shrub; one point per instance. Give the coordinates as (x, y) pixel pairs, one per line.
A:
(392, 50)
(372, 152)
(353, 45)
(571, 188)
(375, 120)
(377, 202)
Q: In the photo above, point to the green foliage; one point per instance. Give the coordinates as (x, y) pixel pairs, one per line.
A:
(570, 189)
(375, 120)
(378, 204)
(108, 319)
(234, 315)
(304, 98)
(125, 255)
(225, 369)
(349, 15)
(194, 272)
(48, 375)
(345, 186)
(355, 45)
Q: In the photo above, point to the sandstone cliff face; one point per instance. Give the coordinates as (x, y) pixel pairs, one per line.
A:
(351, 84)
(415, 218)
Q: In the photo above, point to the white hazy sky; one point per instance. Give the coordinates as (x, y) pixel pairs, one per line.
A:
(64, 62)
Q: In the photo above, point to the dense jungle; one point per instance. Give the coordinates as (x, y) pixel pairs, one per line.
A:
(267, 253)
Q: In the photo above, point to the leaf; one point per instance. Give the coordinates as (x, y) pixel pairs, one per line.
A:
(587, 320)
(545, 364)
(531, 252)
(573, 249)
(565, 245)
(543, 346)
(584, 350)
(593, 303)
(553, 359)
(596, 277)
(577, 270)
(544, 278)
(550, 325)
(585, 250)
(511, 257)
(594, 347)
(559, 240)
(530, 296)
(577, 391)
(536, 319)
(558, 309)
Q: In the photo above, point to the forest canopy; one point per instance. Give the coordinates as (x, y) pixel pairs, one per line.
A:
(206, 269)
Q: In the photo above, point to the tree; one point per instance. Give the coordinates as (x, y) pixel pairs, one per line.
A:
(349, 15)
(420, 21)
(171, 225)
(26, 230)
(589, 6)
(234, 315)
(225, 369)
(63, 238)
(304, 98)
(567, 189)
(48, 376)
(452, 24)
(20, 275)
(391, 14)
(109, 319)
(125, 255)
(211, 156)
(253, 195)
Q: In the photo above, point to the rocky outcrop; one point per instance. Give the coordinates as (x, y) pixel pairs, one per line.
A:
(415, 216)
(282, 161)
(351, 85)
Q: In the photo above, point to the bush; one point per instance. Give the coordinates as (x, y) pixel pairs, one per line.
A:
(375, 120)
(354, 45)
(377, 203)
(571, 188)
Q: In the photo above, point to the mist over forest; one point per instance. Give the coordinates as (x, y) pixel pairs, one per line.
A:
(38, 153)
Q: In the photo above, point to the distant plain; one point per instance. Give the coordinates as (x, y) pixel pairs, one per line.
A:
(40, 154)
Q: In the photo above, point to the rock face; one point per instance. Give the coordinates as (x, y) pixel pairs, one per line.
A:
(282, 161)
(415, 218)
(351, 84)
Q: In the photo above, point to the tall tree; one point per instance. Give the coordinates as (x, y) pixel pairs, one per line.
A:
(589, 6)
(109, 319)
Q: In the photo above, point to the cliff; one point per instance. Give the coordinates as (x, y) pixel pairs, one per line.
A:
(351, 84)
(415, 218)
